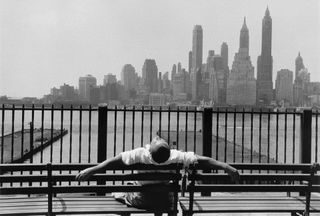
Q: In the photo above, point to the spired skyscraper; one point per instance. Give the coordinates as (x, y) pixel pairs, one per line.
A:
(241, 85)
(264, 64)
(196, 62)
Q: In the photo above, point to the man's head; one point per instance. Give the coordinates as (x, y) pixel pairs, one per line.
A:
(159, 150)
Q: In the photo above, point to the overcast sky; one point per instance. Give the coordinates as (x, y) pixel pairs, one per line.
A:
(46, 43)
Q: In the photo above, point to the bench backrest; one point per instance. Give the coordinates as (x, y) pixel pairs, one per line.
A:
(52, 179)
(257, 178)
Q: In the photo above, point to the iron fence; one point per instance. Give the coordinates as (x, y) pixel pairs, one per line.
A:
(89, 134)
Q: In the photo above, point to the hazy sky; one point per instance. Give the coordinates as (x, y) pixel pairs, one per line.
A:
(45, 43)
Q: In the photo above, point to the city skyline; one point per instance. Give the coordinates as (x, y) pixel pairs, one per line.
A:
(36, 60)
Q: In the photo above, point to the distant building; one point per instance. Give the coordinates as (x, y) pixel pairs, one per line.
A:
(190, 62)
(157, 99)
(301, 82)
(129, 78)
(264, 64)
(241, 85)
(284, 86)
(150, 75)
(197, 46)
(225, 57)
(85, 84)
(68, 92)
(109, 79)
(298, 65)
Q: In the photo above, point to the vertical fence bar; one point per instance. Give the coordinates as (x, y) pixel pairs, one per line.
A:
(217, 134)
(242, 138)
(260, 136)
(42, 131)
(124, 130)
(316, 147)
(80, 133)
(12, 130)
(70, 138)
(89, 136)
(102, 133)
(251, 136)
(194, 130)
(160, 120)
(142, 122)
(177, 142)
(186, 130)
(51, 133)
(22, 131)
(225, 134)
(306, 130)
(151, 119)
(234, 134)
(61, 132)
(115, 131)
(294, 136)
(2, 133)
(169, 120)
(285, 136)
(268, 150)
(277, 134)
(32, 134)
(133, 129)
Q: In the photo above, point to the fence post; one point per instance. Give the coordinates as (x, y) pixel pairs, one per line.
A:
(305, 136)
(207, 132)
(207, 137)
(102, 133)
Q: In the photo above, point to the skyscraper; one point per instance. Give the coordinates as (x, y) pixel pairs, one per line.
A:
(197, 46)
(225, 56)
(129, 78)
(241, 84)
(190, 62)
(150, 75)
(85, 85)
(284, 86)
(264, 63)
(299, 65)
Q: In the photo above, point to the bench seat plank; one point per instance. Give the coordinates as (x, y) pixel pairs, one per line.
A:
(240, 203)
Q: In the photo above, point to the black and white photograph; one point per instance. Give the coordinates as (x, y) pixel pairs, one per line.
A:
(160, 107)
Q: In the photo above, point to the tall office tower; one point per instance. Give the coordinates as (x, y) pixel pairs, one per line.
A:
(173, 71)
(179, 67)
(197, 45)
(301, 82)
(190, 62)
(225, 56)
(150, 75)
(284, 87)
(109, 79)
(299, 65)
(241, 84)
(264, 63)
(129, 78)
(85, 84)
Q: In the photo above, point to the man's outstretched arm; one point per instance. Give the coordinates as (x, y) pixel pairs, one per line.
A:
(86, 173)
(209, 163)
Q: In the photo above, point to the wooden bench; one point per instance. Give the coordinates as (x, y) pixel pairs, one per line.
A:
(51, 189)
(263, 188)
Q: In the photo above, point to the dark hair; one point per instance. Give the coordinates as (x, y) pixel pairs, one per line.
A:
(160, 153)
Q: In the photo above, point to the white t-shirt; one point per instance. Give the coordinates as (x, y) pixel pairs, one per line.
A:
(142, 155)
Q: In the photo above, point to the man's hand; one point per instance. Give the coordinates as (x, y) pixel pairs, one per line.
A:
(84, 174)
(234, 174)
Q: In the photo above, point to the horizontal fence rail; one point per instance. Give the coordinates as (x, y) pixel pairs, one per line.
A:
(58, 134)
